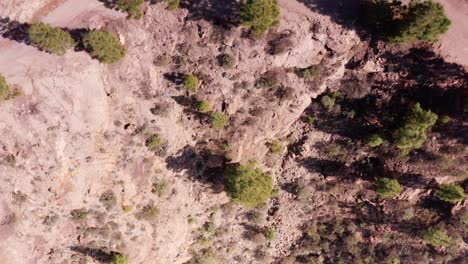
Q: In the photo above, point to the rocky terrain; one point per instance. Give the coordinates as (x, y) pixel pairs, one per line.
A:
(79, 184)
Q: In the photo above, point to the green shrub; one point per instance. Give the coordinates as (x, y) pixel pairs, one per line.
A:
(412, 134)
(425, 20)
(444, 119)
(227, 60)
(218, 120)
(275, 146)
(160, 188)
(450, 193)
(52, 39)
(310, 120)
(173, 4)
(437, 237)
(132, 7)
(269, 233)
(388, 188)
(104, 46)
(374, 141)
(154, 142)
(148, 212)
(311, 72)
(204, 106)
(328, 102)
(260, 15)
(4, 88)
(119, 259)
(191, 82)
(247, 184)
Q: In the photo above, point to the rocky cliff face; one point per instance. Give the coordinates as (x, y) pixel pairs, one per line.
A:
(78, 181)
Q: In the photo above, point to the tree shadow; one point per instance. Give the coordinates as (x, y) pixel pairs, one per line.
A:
(343, 12)
(223, 13)
(200, 164)
(97, 254)
(190, 105)
(111, 4)
(14, 30)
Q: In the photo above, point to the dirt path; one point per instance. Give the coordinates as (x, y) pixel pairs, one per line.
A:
(45, 10)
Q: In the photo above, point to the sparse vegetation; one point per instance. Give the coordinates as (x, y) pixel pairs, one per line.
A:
(204, 106)
(260, 15)
(172, 4)
(191, 82)
(269, 233)
(412, 134)
(227, 60)
(51, 39)
(374, 140)
(310, 120)
(160, 188)
(311, 72)
(247, 184)
(328, 102)
(218, 120)
(148, 212)
(108, 199)
(154, 142)
(276, 146)
(104, 46)
(437, 237)
(450, 193)
(387, 188)
(119, 259)
(4, 88)
(132, 7)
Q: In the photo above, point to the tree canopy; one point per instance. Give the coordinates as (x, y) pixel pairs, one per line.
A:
(132, 7)
(104, 46)
(260, 15)
(388, 188)
(450, 193)
(247, 184)
(412, 134)
(51, 39)
(425, 20)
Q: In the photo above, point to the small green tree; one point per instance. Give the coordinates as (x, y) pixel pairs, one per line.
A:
(191, 82)
(425, 20)
(227, 60)
(437, 237)
(218, 120)
(260, 15)
(328, 102)
(412, 134)
(154, 142)
(4, 88)
(52, 39)
(375, 140)
(204, 106)
(387, 188)
(247, 184)
(269, 233)
(275, 146)
(104, 46)
(173, 4)
(132, 7)
(119, 259)
(450, 193)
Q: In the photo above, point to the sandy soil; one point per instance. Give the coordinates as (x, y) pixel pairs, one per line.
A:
(453, 45)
